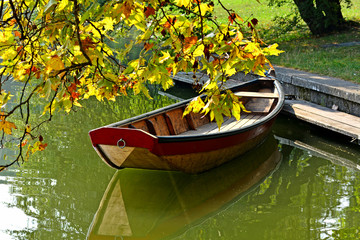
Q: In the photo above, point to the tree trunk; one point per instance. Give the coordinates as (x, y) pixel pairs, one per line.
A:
(321, 16)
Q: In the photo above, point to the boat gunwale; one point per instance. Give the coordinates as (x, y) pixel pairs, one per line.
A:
(200, 137)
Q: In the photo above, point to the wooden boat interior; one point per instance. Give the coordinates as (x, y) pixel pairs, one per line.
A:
(259, 101)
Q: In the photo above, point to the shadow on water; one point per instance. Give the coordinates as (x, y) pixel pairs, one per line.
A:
(140, 204)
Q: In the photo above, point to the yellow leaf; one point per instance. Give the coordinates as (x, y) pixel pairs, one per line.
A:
(166, 56)
(272, 50)
(6, 126)
(38, 146)
(230, 70)
(181, 3)
(236, 111)
(28, 128)
(108, 23)
(199, 51)
(204, 8)
(62, 5)
(55, 63)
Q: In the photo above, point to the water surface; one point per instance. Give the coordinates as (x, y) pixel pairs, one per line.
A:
(310, 189)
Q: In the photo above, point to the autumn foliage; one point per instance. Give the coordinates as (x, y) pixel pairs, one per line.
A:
(64, 51)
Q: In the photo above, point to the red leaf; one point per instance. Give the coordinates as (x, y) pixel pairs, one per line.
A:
(190, 41)
(163, 32)
(253, 23)
(75, 95)
(232, 18)
(126, 9)
(19, 49)
(72, 88)
(12, 22)
(170, 22)
(148, 46)
(122, 78)
(42, 146)
(88, 43)
(149, 11)
(23, 143)
(17, 34)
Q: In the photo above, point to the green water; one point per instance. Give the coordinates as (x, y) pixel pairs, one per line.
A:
(303, 193)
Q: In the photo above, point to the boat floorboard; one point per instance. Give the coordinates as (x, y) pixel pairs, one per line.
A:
(229, 124)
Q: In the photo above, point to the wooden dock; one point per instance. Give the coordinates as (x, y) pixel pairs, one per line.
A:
(343, 123)
(337, 121)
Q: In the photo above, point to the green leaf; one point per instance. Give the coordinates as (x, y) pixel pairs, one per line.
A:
(50, 6)
(47, 89)
(89, 13)
(218, 118)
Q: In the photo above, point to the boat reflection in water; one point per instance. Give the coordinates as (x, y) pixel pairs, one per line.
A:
(150, 204)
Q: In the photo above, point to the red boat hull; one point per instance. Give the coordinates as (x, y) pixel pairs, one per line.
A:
(190, 155)
(163, 139)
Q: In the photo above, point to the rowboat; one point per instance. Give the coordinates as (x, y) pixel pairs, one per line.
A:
(164, 139)
(140, 204)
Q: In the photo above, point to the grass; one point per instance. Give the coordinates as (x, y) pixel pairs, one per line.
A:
(310, 54)
(302, 50)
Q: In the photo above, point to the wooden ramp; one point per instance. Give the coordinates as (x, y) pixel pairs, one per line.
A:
(343, 123)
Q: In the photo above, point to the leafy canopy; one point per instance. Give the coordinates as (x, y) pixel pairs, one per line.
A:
(57, 52)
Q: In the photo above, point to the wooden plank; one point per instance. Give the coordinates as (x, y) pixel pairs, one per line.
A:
(256, 118)
(179, 123)
(140, 125)
(159, 124)
(257, 94)
(169, 124)
(329, 113)
(259, 105)
(234, 122)
(336, 121)
(150, 126)
(206, 128)
(232, 125)
(227, 122)
(242, 121)
(199, 119)
(190, 121)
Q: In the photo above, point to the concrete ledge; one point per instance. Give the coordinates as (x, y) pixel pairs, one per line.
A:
(325, 91)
